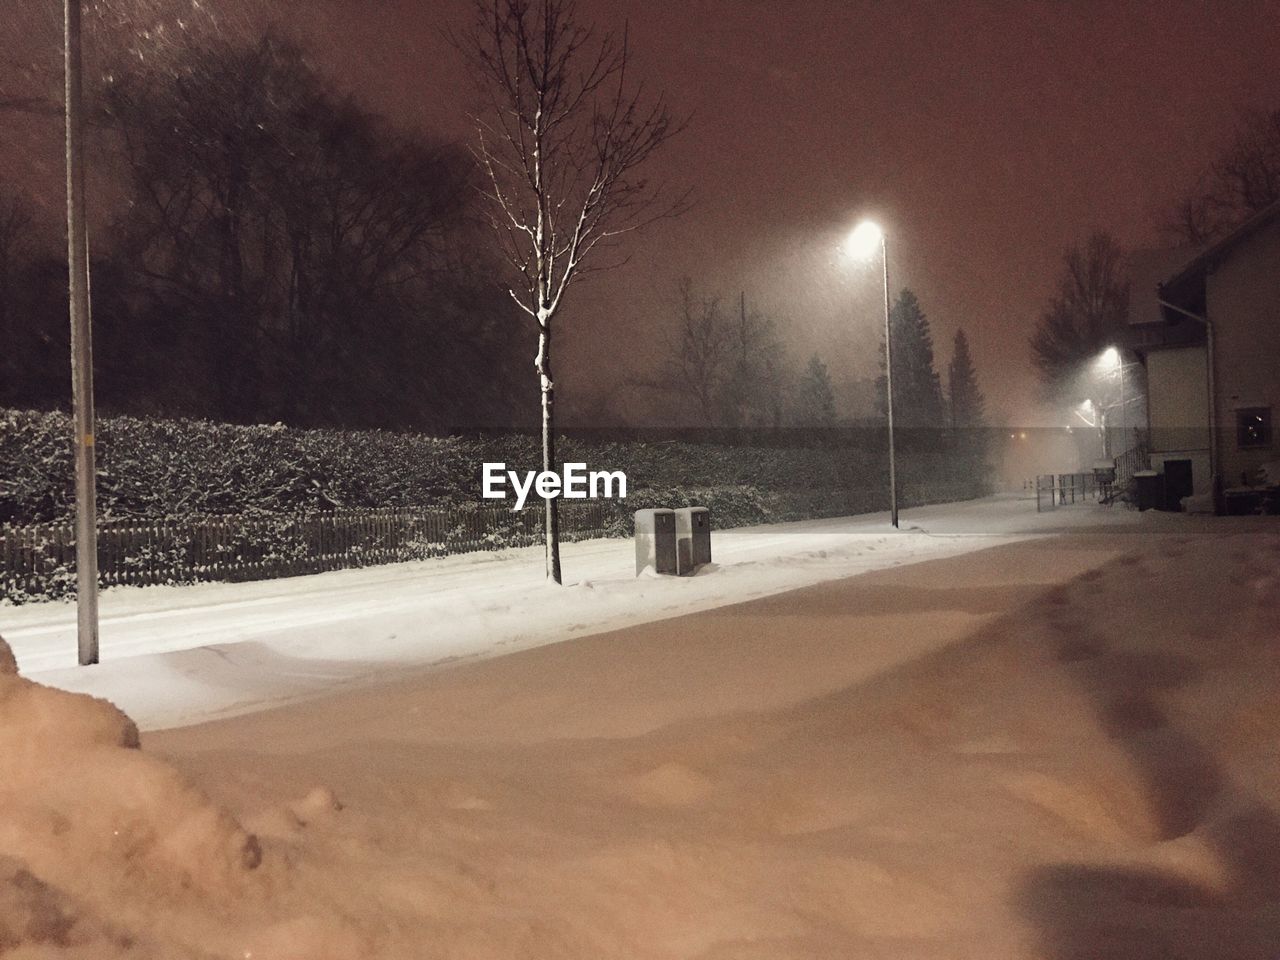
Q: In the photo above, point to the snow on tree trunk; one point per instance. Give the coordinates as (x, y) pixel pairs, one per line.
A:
(551, 522)
(560, 151)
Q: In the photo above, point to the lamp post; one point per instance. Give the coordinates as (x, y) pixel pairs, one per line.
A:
(1112, 359)
(863, 242)
(81, 347)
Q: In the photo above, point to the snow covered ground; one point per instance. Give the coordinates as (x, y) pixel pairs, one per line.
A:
(1059, 748)
(177, 655)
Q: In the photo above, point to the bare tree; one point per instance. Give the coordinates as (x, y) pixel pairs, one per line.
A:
(729, 366)
(756, 381)
(1242, 180)
(1085, 315)
(698, 350)
(561, 143)
(321, 265)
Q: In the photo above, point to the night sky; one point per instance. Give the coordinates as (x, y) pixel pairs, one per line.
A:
(985, 136)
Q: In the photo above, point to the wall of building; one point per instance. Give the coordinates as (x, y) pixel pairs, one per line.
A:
(1243, 302)
(1178, 410)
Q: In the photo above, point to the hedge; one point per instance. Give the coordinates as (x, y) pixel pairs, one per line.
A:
(273, 487)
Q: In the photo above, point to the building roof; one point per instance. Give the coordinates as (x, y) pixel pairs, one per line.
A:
(1148, 270)
(1186, 287)
(1151, 327)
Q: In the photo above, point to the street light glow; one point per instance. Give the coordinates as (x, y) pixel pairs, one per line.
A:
(865, 239)
(1111, 357)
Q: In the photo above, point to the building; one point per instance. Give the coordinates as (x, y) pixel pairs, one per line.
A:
(1209, 336)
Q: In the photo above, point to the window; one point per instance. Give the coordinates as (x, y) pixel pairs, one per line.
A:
(1253, 427)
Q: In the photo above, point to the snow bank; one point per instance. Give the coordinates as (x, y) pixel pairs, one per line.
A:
(1198, 503)
(82, 808)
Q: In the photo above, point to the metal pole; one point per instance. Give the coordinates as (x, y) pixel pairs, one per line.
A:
(81, 348)
(1124, 415)
(888, 384)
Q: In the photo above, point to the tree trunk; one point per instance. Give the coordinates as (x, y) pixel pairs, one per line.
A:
(551, 522)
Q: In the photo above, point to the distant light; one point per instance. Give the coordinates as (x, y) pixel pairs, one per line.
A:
(1110, 357)
(865, 239)
(1023, 436)
(1086, 404)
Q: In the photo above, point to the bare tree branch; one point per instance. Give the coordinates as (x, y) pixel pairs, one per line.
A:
(561, 148)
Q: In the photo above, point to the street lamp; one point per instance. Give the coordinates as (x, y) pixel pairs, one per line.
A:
(1112, 361)
(864, 240)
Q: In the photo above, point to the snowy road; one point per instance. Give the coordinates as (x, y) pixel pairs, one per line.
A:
(177, 655)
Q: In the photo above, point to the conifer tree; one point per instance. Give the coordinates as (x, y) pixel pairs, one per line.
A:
(917, 389)
(968, 415)
(966, 400)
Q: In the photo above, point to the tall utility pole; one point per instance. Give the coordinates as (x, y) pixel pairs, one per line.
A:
(888, 383)
(81, 347)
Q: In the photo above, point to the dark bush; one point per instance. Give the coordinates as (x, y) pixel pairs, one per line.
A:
(164, 469)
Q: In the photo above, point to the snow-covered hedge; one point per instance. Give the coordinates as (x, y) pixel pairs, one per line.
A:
(182, 501)
(160, 469)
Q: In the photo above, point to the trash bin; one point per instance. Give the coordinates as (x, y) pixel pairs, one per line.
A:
(656, 541)
(693, 539)
(1149, 489)
(1046, 493)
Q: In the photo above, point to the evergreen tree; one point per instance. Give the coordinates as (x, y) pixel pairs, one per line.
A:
(917, 389)
(966, 400)
(968, 453)
(815, 400)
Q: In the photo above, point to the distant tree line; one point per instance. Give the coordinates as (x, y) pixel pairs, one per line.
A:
(722, 365)
(727, 366)
(281, 254)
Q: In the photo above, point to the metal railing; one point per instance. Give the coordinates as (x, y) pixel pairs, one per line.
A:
(1058, 489)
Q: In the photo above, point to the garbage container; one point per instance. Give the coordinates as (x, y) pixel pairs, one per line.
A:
(656, 541)
(1046, 493)
(693, 539)
(1149, 489)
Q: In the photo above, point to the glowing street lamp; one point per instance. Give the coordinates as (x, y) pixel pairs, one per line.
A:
(1112, 362)
(863, 242)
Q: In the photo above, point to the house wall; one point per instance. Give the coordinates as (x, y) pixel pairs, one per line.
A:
(1178, 410)
(1243, 302)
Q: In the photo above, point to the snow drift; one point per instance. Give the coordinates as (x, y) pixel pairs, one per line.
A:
(84, 812)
